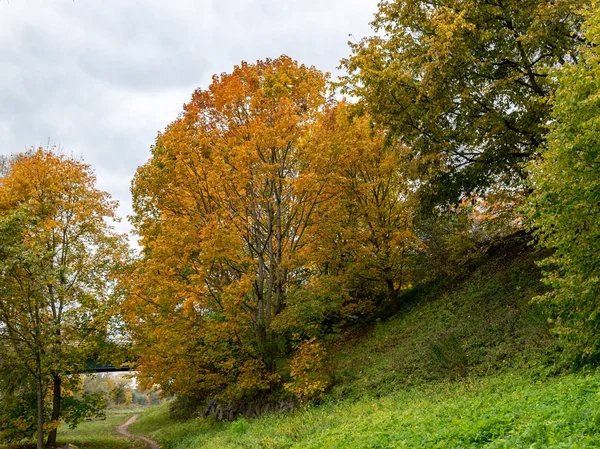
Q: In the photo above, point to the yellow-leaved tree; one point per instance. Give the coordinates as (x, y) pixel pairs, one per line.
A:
(58, 260)
(266, 211)
(224, 209)
(368, 239)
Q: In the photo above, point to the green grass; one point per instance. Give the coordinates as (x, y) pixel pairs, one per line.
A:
(101, 434)
(96, 434)
(158, 425)
(505, 411)
(479, 325)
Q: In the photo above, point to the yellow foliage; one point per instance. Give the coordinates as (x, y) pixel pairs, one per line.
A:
(224, 209)
(309, 377)
(128, 398)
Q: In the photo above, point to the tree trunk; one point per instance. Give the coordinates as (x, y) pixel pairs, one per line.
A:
(392, 295)
(40, 410)
(56, 398)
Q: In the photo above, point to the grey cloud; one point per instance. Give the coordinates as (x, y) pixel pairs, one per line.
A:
(101, 78)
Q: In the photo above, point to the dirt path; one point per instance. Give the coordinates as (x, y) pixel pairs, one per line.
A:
(123, 430)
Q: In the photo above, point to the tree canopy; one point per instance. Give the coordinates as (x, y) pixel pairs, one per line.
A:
(223, 208)
(565, 204)
(465, 84)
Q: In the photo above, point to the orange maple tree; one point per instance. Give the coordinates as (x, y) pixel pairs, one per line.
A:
(224, 208)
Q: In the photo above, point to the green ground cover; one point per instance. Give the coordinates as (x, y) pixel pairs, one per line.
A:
(506, 411)
(480, 323)
(101, 434)
(96, 434)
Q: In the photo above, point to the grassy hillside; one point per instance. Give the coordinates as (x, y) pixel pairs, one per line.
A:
(478, 324)
(468, 362)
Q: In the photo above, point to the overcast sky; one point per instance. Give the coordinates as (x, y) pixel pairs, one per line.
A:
(100, 78)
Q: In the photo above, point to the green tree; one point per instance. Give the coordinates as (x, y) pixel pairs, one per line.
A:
(58, 255)
(565, 205)
(464, 83)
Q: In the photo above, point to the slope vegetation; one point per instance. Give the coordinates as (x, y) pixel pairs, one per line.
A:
(469, 362)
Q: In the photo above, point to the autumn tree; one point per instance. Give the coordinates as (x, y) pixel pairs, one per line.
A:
(223, 209)
(58, 255)
(379, 203)
(565, 204)
(369, 236)
(465, 84)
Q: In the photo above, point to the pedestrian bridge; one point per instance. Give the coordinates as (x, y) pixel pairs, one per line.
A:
(101, 368)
